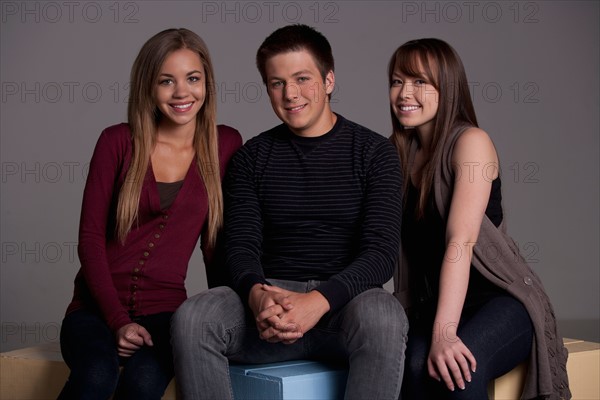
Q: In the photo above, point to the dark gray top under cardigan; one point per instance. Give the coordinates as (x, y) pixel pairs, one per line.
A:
(505, 267)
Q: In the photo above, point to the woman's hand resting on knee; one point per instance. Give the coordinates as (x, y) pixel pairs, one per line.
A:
(131, 337)
(449, 361)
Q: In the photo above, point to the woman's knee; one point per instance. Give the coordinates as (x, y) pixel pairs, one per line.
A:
(474, 390)
(95, 380)
(416, 382)
(143, 385)
(499, 335)
(102, 376)
(417, 351)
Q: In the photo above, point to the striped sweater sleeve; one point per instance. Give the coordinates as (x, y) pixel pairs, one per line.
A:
(379, 236)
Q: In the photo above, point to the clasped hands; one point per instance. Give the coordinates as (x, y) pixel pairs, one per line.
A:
(285, 316)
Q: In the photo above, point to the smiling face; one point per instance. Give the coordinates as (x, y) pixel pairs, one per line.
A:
(180, 89)
(298, 94)
(414, 100)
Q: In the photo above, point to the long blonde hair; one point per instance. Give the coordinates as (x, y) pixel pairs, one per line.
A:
(143, 117)
(443, 68)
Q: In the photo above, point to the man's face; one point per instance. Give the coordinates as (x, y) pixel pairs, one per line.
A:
(298, 94)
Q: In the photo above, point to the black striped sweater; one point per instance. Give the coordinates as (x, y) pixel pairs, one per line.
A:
(328, 212)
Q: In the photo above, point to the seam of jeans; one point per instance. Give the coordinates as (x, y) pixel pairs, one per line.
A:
(229, 386)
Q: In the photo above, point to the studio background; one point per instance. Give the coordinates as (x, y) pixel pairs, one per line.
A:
(532, 68)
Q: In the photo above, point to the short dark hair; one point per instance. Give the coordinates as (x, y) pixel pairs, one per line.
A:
(296, 37)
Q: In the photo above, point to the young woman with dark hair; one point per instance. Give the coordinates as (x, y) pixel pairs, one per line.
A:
(476, 308)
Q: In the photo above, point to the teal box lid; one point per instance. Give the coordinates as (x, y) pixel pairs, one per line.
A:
(290, 380)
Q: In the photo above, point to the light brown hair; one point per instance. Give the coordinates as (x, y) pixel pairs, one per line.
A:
(143, 117)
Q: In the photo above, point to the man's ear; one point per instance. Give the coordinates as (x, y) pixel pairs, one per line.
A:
(329, 82)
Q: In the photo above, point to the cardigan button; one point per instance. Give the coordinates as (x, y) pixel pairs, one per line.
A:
(146, 254)
(528, 281)
(157, 235)
(150, 244)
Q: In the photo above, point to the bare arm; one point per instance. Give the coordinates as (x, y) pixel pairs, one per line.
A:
(475, 165)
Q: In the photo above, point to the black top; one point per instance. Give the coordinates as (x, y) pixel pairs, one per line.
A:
(325, 208)
(307, 144)
(167, 191)
(424, 242)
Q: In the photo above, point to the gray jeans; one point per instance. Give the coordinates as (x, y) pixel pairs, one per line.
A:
(213, 327)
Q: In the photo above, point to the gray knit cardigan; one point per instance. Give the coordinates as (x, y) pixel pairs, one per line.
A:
(506, 268)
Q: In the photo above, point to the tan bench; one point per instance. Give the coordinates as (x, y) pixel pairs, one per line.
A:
(583, 367)
(39, 373)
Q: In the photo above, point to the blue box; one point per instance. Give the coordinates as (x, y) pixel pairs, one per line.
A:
(290, 380)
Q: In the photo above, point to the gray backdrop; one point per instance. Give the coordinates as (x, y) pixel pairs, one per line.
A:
(532, 67)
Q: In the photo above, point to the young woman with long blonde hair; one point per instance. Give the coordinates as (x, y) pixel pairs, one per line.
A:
(153, 188)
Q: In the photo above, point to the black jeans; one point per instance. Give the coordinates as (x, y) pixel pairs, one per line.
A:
(89, 348)
(498, 332)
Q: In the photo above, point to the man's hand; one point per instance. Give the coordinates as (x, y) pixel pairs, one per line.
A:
(292, 322)
(131, 337)
(271, 304)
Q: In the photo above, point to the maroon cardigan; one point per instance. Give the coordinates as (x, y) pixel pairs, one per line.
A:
(146, 274)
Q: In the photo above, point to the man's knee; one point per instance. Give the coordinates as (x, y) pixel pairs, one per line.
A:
(205, 314)
(378, 312)
(205, 306)
(378, 307)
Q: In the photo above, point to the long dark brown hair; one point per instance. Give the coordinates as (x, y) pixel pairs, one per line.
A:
(438, 63)
(143, 117)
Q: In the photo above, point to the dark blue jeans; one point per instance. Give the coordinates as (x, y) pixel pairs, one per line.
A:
(498, 332)
(89, 348)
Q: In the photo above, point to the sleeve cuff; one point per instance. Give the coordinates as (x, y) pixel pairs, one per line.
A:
(246, 284)
(116, 324)
(336, 294)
